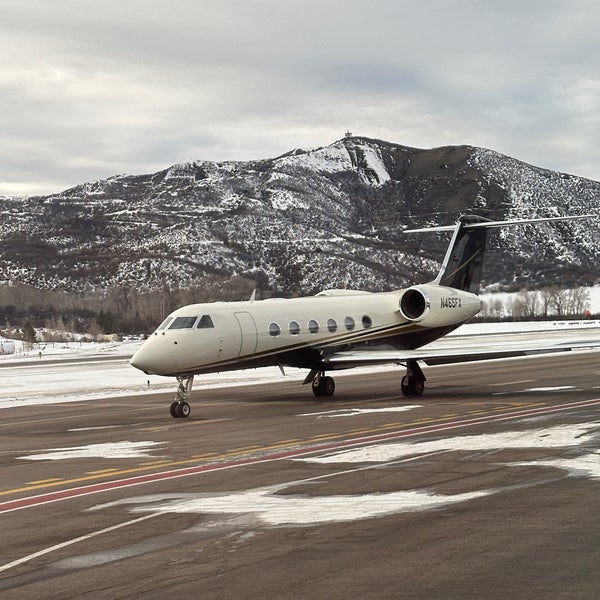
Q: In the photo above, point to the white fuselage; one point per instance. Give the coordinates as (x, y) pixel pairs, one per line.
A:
(221, 336)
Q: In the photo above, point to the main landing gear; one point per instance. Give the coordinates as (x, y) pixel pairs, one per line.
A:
(180, 408)
(413, 383)
(322, 385)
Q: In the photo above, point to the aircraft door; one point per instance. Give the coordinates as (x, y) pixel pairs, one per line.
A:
(248, 332)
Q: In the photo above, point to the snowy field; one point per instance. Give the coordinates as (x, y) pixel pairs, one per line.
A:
(73, 372)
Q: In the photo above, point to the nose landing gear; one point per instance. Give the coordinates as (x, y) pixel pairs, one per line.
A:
(180, 408)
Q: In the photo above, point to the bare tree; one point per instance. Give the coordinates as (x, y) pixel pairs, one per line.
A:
(524, 305)
(579, 301)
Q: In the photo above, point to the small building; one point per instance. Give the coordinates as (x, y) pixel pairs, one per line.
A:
(7, 346)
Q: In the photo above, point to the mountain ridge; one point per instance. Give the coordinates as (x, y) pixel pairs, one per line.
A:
(304, 221)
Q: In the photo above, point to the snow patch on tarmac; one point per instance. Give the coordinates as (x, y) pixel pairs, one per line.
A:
(108, 450)
(561, 436)
(265, 505)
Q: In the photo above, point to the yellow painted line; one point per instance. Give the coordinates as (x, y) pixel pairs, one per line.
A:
(43, 481)
(326, 436)
(154, 463)
(82, 479)
(207, 455)
(360, 431)
(390, 426)
(101, 472)
(333, 436)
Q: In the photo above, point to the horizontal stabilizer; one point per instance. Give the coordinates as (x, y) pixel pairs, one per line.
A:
(492, 224)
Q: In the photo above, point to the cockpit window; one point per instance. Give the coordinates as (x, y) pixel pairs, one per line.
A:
(164, 324)
(205, 322)
(183, 323)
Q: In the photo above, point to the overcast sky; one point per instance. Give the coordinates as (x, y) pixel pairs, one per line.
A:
(90, 89)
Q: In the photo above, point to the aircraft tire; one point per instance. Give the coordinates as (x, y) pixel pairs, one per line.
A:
(404, 385)
(411, 386)
(173, 410)
(327, 386)
(184, 410)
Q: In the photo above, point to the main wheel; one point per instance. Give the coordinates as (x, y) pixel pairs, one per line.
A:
(327, 386)
(405, 386)
(411, 386)
(173, 409)
(418, 387)
(184, 410)
(324, 386)
(316, 387)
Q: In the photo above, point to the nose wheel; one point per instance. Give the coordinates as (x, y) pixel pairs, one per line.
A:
(180, 408)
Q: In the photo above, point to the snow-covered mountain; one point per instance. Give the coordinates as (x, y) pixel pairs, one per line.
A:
(307, 220)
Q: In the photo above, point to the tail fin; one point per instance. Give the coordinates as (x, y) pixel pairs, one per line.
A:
(462, 264)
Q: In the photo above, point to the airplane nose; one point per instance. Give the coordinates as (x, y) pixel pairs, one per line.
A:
(138, 362)
(144, 360)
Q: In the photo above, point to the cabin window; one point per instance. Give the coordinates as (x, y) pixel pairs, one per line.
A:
(164, 324)
(205, 322)
(294, 327)
(349, 323)
(313, 326)
(183, 323)
(274, 329)
(331, 325)
(367, 321)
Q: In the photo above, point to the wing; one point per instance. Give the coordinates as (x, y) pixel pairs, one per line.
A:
(442, 356)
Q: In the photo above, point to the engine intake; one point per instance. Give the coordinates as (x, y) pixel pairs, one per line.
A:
(414, 304)
(433, 305)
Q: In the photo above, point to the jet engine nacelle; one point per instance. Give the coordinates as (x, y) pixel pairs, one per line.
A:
(433, 305)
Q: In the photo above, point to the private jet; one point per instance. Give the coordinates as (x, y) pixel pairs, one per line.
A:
(335, 329)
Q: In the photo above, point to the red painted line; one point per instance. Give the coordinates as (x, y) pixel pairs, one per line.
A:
(293, 452)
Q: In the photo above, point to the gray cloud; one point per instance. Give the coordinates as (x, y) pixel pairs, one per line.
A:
(91, 89)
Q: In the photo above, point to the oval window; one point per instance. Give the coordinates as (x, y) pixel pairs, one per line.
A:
(313, 326)
(349, 323)
(294, 327)
(274, 329)
(367, 321)
(331, 325)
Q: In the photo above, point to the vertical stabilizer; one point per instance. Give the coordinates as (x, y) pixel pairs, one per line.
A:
(462, 264)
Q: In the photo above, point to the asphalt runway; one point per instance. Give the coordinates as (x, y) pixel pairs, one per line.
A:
(487, 486)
